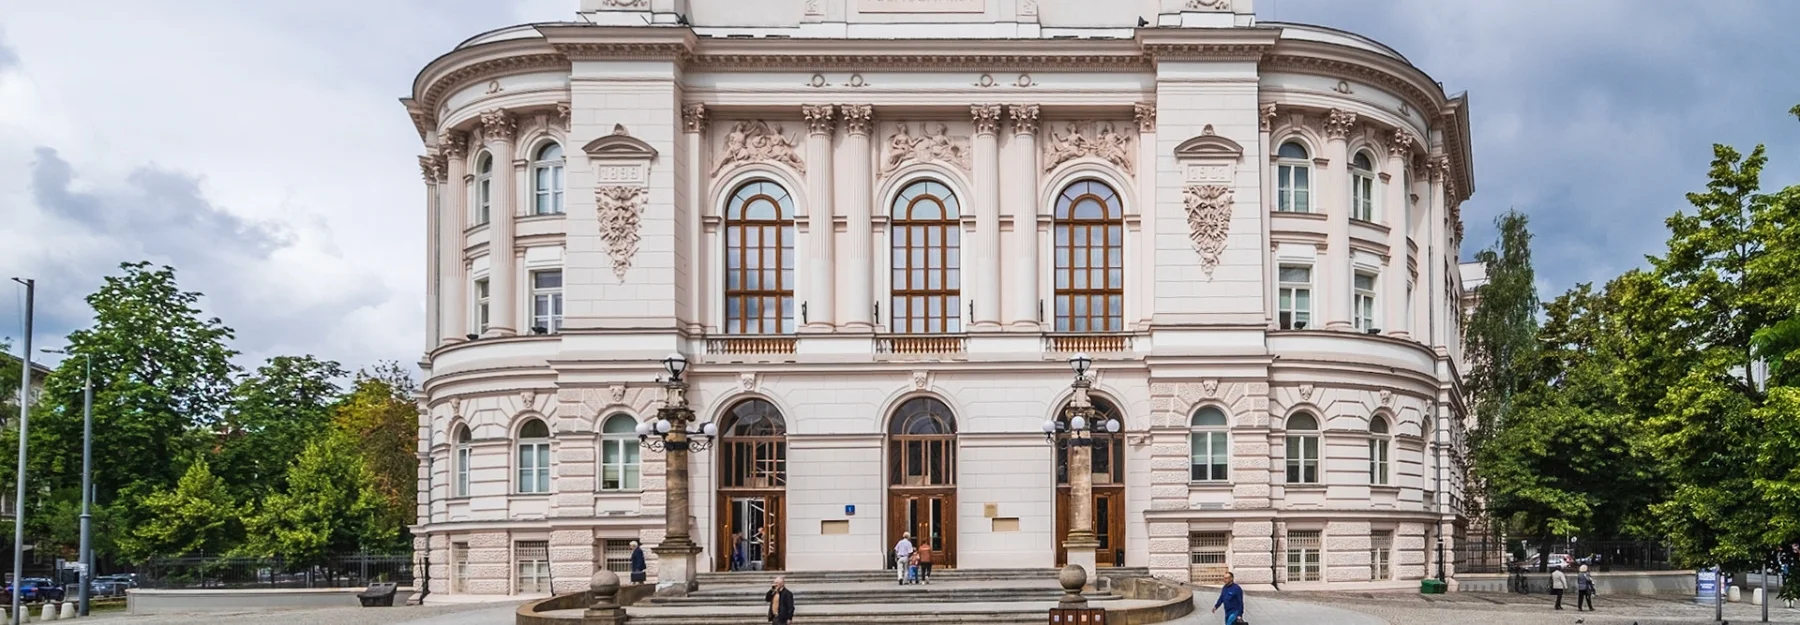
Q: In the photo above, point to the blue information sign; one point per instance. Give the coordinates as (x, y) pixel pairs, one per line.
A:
(849, 510)
(1706, 586)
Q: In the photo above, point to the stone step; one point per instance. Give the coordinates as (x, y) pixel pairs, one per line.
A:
(943, 617)
(797, 578)
(898, 594)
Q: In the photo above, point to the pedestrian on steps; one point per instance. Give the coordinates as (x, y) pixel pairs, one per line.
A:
(1558, 583)
(781, 602)
(638, 566)
(903, 551)
(924, 555)
(1232, 598)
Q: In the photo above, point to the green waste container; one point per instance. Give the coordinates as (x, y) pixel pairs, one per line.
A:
(1432, 587)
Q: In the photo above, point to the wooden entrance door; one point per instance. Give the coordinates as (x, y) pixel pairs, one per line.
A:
(928, 517)
(752, 510)
(922, 477)
(1109, 524)
(752, 528)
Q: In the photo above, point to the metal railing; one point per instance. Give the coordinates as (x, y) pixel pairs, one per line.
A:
(344, 571)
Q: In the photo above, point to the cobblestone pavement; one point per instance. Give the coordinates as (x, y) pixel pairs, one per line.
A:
(1262, 609)
(1407, 608)
(444, 614)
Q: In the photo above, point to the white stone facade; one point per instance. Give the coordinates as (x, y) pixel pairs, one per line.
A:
(616, 154)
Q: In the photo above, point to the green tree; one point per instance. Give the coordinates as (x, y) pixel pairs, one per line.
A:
(382, 420)
(329, 506)
(9, 383)
(198, 516)
(1501, 335)
(274, 413)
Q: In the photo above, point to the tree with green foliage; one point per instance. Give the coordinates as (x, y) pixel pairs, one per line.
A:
(198, 516)
(329, 506)
(1501, 335)
(273, 415)
(381, 418)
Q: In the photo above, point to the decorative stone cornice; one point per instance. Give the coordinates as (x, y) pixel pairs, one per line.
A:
(1024, 119)
(1145, 115)
(819, 118)
(1073, 61)
(1400, 143)
(753, 141)
(693, 117)
(903, 147)
(498, 125)
(620, 208)
(1266, 116)
(1097, 139)
(987, 118)
(1338, 124)
(859, 119)
(624, 50)
(441, 86)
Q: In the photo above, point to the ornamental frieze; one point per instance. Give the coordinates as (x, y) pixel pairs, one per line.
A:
(620, 210)
(935, 146)
(1209, 221)
(1101, 140)
(758, 142)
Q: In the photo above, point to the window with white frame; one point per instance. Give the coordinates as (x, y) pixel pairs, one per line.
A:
(1381, 555)
(534, 457)
(459, 567)
(1381, 443)
(547, 180)
(1293, 177)
(1363, 301)
(1294, 305)
(618, 555)
(1303, 556)
(532, 559)
(1362, 188)
(481, 306)
(484, 188)
(463, 455)
(619, 453)
(1207, 556)
(1209, 446)
(546, 301)
(1302, 449)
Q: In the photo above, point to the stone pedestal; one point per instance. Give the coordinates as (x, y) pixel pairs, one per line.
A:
(603, 596)
(677, 559)
(1074, 579)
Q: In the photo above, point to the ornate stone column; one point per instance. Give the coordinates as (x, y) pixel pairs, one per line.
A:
(1436, 240)
(819, 309)
(693, 126)
(1024, 196)
(1395, 204)
(1081, 545)
(497, 131)
(855, 158)
(1265, 137)
(1335, 283)
(987, 216)
(452, 293)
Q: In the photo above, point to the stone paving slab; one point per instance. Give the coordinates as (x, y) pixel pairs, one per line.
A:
(1465, 608)
(850, 609)
(436, 614)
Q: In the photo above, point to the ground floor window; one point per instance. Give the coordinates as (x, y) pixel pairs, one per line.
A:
(459, 568)
(1381, 554)
(533, 563)
(618, 555)
(1303, 556)
(1206, 556)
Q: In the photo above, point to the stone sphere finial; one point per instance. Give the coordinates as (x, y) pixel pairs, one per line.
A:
(1073, 578)
(604, 584)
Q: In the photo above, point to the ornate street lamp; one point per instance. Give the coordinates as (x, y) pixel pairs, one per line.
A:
(673, 433)
(1074, 432)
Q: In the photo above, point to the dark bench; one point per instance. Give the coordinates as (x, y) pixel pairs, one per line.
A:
(378, 595)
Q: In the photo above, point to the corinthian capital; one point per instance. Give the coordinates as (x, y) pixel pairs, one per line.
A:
(1266, 115)
(1401, 144)
(428, 167)
(987, 118)
(1437, 166)
(1145, 113)
(1338, 124)
(453, 144)
(498, 125)
(859, 119)
(819, 120)
(693, 117)
(1024, 119)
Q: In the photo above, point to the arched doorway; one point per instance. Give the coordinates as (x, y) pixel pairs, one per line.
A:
(922, 477)
(1109, 492)
(752, 488)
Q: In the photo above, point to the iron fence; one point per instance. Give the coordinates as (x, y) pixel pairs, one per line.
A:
(340, 571)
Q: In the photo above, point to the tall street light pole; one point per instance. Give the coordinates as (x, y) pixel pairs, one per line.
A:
(86, 556)
(1073, 432)
(18, 572)
(677, 552)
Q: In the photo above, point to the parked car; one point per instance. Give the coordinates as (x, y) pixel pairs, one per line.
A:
(33, 590)
(104, 588)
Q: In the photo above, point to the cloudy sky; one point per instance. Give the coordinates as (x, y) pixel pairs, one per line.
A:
(258, 146)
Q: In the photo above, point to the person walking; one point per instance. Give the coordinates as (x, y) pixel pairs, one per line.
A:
(903, 554)
(1584, 589)
(638, 566)
(1231, 596)
(781, 602)
(1558, 583)
(924, 555)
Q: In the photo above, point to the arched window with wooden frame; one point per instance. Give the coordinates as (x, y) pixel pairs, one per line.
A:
(926, 242)
(752, 487)
(759, 260)
(1089, 288)
(922, 476)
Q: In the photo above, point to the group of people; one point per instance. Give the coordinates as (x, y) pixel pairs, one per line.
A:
(1584, 588)
(912, 563)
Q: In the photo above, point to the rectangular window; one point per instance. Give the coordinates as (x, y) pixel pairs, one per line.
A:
(618, 556)
(619, 464)
(481, 306)
(1295, 188)
(462, 470)
(1364, 302)
(546, 301)
(1303, 459)
(534, 468)
(1211, 453)
(483, 199)
(1295, 294)
(1378, 461)
(1381, 555)
(1303, 556)
(1362, 196)
(459, 567)
(533, 562)
(1207, 556)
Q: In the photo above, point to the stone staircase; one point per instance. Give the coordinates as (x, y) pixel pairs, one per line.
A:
(796, 579)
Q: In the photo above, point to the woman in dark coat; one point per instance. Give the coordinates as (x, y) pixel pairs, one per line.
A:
(638, 566)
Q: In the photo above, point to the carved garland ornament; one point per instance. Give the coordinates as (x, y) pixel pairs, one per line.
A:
(757, 141)
(620, 207)
(1101, 140)
(903, 147)
(1209, 221)
(1209, 5)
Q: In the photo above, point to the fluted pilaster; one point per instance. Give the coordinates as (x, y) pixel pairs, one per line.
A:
(854, 195)
(454, 213)
(821, 122)
(1336, 281)
(1394, 205)
(1023, 199)
(987, 215)
(497, 130)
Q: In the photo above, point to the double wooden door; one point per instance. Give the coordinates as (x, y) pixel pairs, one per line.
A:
(929, 515)
(1109, 525)
(751, 527)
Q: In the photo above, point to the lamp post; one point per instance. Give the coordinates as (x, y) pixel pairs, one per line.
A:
(1073, 433)
(18, 572)
(669, 433)
(86, 556)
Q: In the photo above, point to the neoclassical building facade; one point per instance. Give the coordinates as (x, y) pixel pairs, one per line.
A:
(877, 229)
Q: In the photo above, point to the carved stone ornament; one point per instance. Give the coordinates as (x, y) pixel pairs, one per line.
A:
(693, 117)
(620, 208)
(453, 144)
(747, 381)
(1100, 140)
(1209, 221)
(428, 167)
(1266, 115)
(1401, 143)
(819, 119)
(921, 380)
(528, 398)
(859, 119)
(1211, 387)
(1028, 7)
(617, 392)
(1024, 118)
(814, 7)
(1338, 124)
(1306, 391)
(987, 118)
(1387, 397)
(757, 141)
(1209, 5)
(564, 114)
(498, 125)
(456, 406)
(903, 148)
(626, 4)
(1145, 115)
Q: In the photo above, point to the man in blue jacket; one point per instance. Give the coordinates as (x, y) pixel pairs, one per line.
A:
(1232, 597)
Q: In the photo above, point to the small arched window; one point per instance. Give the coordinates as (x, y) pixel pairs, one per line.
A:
(1362, 187)
(759, 260)
(1090, 259)
(484, 187)
(1293, 178)
(619, 453)
(534, 457)
(1302, 449)
(1380, 445)
(462, 457)
(1209, 446)
(927, 254)
(547, 180)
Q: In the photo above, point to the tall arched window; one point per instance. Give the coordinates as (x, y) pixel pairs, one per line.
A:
(1090, 259)
(759, 260)
(547, 180)
(924, 440)
(1302, 449)
(1293, 178)
(534, 457)
(1209, 445)
(927, 253)
(462, 457)
(619, 453)
(752, 453)
(1362, 187)
(1380, 443)
(484, 187)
